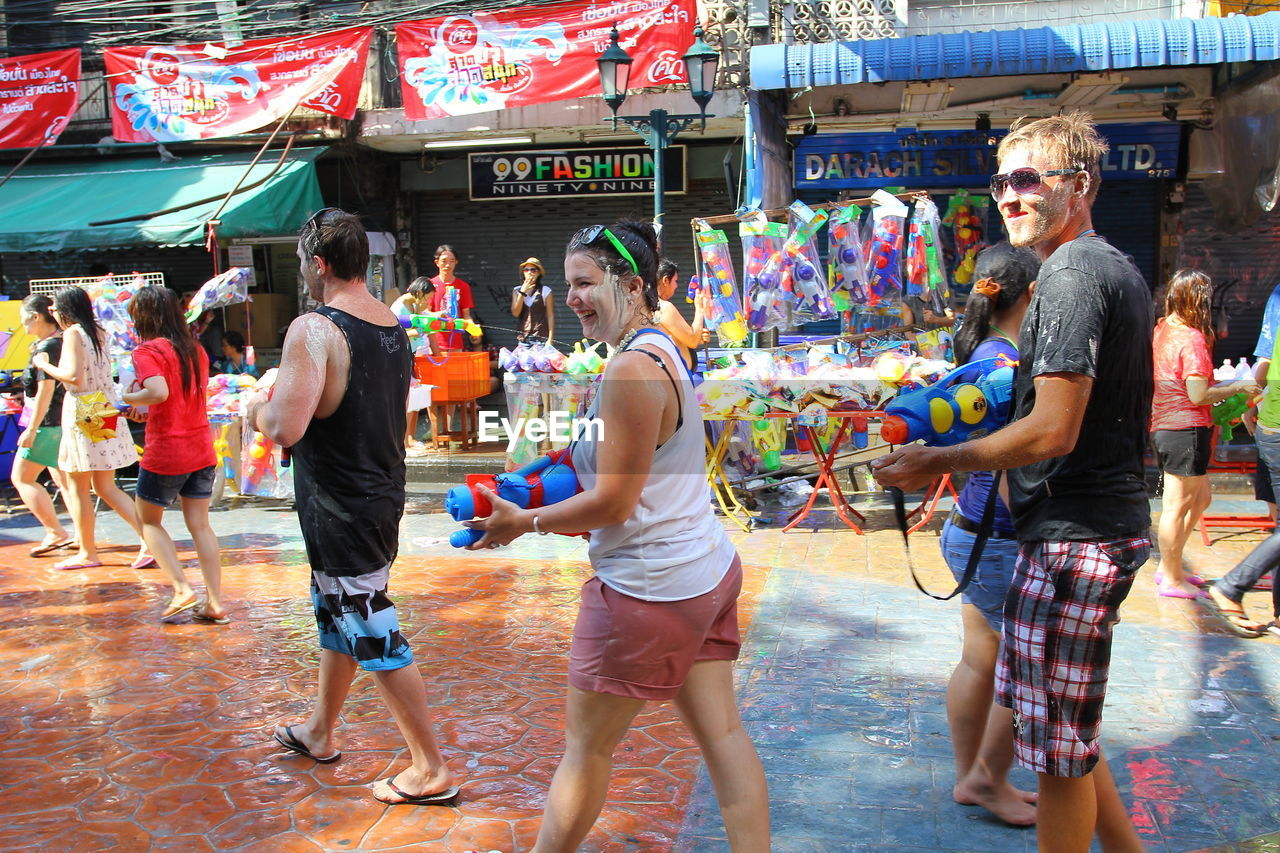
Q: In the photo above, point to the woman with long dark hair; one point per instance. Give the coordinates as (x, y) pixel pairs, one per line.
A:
(659, 620)
(38, 444)
(90, 457)
(179, 462)
(981, 730)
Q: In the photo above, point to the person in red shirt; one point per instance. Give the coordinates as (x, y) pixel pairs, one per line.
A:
(1181, 423)
(172, 371)
(447, 262)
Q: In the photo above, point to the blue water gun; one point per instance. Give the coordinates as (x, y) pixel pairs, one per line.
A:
(951, 411)
(544, 481)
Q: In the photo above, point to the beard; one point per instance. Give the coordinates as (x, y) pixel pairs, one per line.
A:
(1043, 221)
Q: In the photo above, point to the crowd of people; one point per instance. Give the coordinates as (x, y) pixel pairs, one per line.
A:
(1061, 538)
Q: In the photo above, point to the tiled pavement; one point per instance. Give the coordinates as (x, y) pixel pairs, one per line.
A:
(119, 733)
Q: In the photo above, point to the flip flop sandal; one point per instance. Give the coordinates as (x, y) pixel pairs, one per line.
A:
(291, 743)
(67, 567)
(447, 797)
(1229, 616)
(41, 550)
(201, 615)
(146, 561)
(173, 610)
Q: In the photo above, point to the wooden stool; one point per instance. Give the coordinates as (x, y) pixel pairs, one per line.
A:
(467, 433)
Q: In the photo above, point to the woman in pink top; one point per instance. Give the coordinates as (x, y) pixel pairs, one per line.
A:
(1181, 425)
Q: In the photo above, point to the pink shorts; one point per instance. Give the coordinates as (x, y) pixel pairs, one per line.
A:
(626, 646)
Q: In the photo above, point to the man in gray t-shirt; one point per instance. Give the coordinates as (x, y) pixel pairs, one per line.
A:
(1082, 402)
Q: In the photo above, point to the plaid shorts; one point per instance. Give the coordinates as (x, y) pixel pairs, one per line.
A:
(1056, 652)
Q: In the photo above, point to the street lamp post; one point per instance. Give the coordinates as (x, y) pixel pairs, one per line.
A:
(659, 128)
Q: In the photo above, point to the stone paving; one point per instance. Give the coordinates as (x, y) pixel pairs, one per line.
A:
(119, 733)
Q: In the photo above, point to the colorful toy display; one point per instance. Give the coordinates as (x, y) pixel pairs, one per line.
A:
(847, 256)
(951, 410)
(111, 306)
(768, 436)
(228, 288)
(762, 240)
(926, 274)
(545, 481)
(425, 324)
(807, 275)
(884, 251)
(726, 315)
(966, 216)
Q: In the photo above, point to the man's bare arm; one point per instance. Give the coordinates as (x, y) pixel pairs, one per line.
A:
(1051, 429)
(300, 383)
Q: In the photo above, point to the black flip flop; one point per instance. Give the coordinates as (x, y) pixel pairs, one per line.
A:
(291, 743)
(447, 797)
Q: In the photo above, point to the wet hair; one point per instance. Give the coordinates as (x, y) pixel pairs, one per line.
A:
(1013, 269)
(1190, 297)
(37, 305)
(156, 313)
(441, 249)
(667, 267)
(1068, 141)
(339, 238)
(234, 339)
(75, 309)
(641, 241)
(421, 286)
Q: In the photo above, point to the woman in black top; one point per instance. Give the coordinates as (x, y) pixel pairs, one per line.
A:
(38, 444)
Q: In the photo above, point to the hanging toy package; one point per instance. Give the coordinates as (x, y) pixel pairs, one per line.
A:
(808, 275)
(726, 315)
(966, 216)
(767, 303)
(884, 253)
(848, 259)
(926, 274)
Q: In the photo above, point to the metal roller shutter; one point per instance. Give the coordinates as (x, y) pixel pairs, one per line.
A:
(491, 238)
(1127, 214)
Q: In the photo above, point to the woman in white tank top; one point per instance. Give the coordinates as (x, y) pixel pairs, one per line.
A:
(658, 620)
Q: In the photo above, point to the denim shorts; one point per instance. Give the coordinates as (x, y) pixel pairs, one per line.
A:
(990, 585)
(162, 489)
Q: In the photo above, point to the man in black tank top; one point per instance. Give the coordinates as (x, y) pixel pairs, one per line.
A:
(339, 403)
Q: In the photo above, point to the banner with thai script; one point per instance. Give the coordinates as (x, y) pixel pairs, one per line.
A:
(38, 94)
(174, 93)
(466, 64)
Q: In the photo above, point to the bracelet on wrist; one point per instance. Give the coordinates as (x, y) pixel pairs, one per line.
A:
(537, 529)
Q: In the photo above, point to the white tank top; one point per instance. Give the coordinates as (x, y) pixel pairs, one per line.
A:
(672, 547)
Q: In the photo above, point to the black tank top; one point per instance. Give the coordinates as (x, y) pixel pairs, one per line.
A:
(349, 470)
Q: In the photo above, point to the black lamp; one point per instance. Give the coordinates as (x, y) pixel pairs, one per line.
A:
(701, 63)
(615, 72)
(982, 123)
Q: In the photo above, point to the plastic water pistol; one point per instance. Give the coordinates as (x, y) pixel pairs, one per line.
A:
(717, 274)
(1227, 413)
(427, 324)
(807, 280)
(544, 481)
(951, 411)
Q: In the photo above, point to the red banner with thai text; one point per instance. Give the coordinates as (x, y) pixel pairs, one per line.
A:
(175, 93)
(465, 64)
(39, 93)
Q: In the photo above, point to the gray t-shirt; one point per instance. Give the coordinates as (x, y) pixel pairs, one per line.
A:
(1091, 315)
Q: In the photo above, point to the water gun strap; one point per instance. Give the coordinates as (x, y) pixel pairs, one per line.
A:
(979, 543)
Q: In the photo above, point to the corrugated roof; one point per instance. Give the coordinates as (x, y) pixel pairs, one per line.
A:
(995, 53)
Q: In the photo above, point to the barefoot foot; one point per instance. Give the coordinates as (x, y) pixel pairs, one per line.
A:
(1006, 802)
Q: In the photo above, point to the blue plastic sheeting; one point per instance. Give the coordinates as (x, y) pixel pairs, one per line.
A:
(997, 53)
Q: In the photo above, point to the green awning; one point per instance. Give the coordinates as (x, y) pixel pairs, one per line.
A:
(47, 207)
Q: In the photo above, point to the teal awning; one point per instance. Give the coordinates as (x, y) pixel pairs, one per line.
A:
(47, 207)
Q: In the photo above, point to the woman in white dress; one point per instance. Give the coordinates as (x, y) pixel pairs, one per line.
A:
(90, 462)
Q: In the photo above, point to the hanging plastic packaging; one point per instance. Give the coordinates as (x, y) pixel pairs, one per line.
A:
(726, 315)
(808, 275)
(926, 274)
(966, 216)
(768, 306)
(848, 257)
(884, 254)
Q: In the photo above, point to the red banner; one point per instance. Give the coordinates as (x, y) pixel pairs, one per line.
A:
(38, 94)
(496, 60)
(168, 94)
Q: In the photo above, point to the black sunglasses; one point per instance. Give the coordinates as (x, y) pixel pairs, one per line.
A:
(589, 235)
(1025, 180)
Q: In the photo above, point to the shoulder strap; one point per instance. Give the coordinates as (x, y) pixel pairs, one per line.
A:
(679, 396)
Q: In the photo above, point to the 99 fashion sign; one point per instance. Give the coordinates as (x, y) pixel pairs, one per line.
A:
(175, 93)
(484, 61)
(573, 173)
